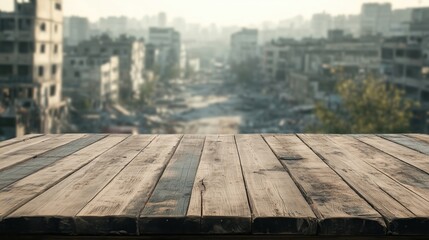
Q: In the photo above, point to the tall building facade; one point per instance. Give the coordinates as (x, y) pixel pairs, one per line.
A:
(244, 46)
(31, 56)
(76, 30)
(375, 19)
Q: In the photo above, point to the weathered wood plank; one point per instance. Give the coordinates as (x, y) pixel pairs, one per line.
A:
(166, 210)
(404, 211)
(409, 142)
(340, 210)
(33, 151)
(409, 176)
(22, 191)
(23, 144)
(23, 169)
(405, 154)
(219, 194)
(421, 137)
(116, 208)
(277, 205)
(53, 211)
(19, 139)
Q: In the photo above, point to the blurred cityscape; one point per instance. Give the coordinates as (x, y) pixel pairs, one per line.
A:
(66, 74)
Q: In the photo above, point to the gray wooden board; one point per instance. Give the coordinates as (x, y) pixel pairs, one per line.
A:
(421, 137)
(277, 204)
(19, 139)
(219, 195)
(116, 208)
(340, 210)
(22, 191)
(408, 175)
(34, 150)
(403, 210)
(166, 210)
(409, 142)
(410, 156)
(54, 210)
(23, 169)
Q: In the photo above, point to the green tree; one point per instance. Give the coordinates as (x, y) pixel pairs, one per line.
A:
(368, 106)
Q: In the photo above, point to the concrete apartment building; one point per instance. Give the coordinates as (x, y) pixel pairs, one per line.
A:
(131, 60)
(91, 82)
(320, 24)
(375, 19)
(31, 55)
(170, 51)
(76, 30)
(244, 46)
(405, 62)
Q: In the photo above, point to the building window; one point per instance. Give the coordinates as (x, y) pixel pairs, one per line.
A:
(42, 48)
(77, 74)
(25, 47)
(56, 48)
(6, 70)
(54, 69)
(41, 71)
(23, 70)
(7, 24)
(53, 90)
(58, 6)
(72, 62)
(6, 47)
(24, 24)
(56, 28)
(81, 62)
(43, 27)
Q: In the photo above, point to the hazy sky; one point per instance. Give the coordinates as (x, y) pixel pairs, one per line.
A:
(221, 12)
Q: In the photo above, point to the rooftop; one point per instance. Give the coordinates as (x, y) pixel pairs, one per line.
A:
(252, 185)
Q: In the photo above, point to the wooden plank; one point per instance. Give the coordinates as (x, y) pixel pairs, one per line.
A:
(277, 205)
(340, 210)
(19, 139)
(53, 211)
(116, 208)
(409, 142)
(219, 194)
(405, 154)
(23, 169)
(421, 137)
(166, 210)
(404, 211)
(23, 144)
(33, 151)
(22, 191)
(408, 175)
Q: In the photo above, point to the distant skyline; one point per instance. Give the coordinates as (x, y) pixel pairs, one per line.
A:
(220, 12)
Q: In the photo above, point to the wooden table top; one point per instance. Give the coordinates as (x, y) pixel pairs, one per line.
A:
(302, 185)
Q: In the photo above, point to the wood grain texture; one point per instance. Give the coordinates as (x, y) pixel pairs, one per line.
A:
(32, 151)
(166, 210)
(54, 210)
(19, 139)
(405, 154)
(409, 142)
(408, 175)
(8, 149)
(277, 205)
(22, 191)
(339, 209)
(219, 195)
(23, 169)
(421, 137)
(404, 211)
(116, 208)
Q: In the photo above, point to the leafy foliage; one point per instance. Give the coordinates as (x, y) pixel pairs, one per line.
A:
(368, 106)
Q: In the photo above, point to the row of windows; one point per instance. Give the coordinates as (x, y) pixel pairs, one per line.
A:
(25, 70)
(24, 47)
(10, 24)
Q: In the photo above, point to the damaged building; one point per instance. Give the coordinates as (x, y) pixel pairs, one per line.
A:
(31, 42)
